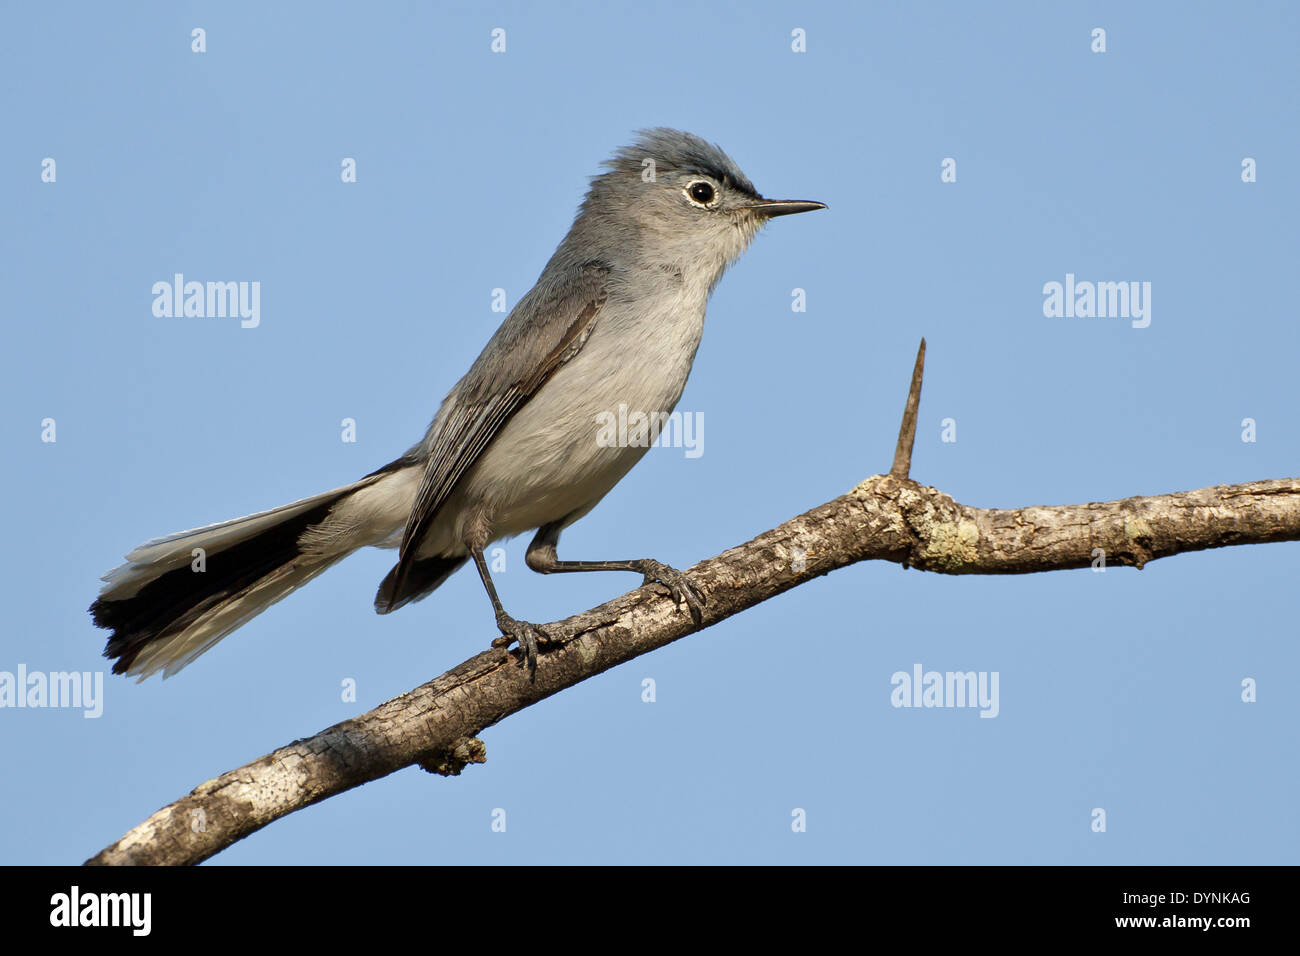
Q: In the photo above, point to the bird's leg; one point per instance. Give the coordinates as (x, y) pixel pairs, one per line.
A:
(541, 558)
(526, 634)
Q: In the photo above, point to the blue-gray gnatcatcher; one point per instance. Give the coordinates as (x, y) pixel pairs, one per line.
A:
(614, 320)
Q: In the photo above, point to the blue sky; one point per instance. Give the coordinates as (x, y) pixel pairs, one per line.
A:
(1119, 691)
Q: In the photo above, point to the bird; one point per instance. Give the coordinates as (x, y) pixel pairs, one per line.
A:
(615, 318)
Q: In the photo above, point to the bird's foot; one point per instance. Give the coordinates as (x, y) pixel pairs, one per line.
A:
(681, 587)
(528, 636)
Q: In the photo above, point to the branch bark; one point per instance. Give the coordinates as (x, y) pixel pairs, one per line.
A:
(885, 517)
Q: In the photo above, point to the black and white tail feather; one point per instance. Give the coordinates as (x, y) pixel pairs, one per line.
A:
(165, 606)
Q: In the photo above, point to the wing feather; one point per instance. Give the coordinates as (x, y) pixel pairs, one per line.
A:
(555, 319)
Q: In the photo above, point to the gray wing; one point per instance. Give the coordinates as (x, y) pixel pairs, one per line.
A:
(545, 330)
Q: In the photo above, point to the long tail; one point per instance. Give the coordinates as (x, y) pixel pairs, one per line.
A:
(175, 597)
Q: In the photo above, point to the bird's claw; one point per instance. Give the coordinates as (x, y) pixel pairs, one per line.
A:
(681, 587)
(527, 636)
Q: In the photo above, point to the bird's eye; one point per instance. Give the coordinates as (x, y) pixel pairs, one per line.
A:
(702, 193)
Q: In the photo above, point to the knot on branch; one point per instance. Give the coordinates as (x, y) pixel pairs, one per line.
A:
(940, 535)
(450, 763)
(1141, 543)
(949, 539)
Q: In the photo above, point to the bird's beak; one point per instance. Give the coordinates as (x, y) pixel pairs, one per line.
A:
(771, 208)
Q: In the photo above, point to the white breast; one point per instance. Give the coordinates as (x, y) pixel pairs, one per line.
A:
(547, 462)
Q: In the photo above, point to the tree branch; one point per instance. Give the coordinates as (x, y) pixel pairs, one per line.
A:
(885, 517)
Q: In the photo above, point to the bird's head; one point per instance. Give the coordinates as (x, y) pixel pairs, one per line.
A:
(677, 199)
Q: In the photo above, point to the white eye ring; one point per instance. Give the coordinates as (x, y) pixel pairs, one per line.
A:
(705, 198)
